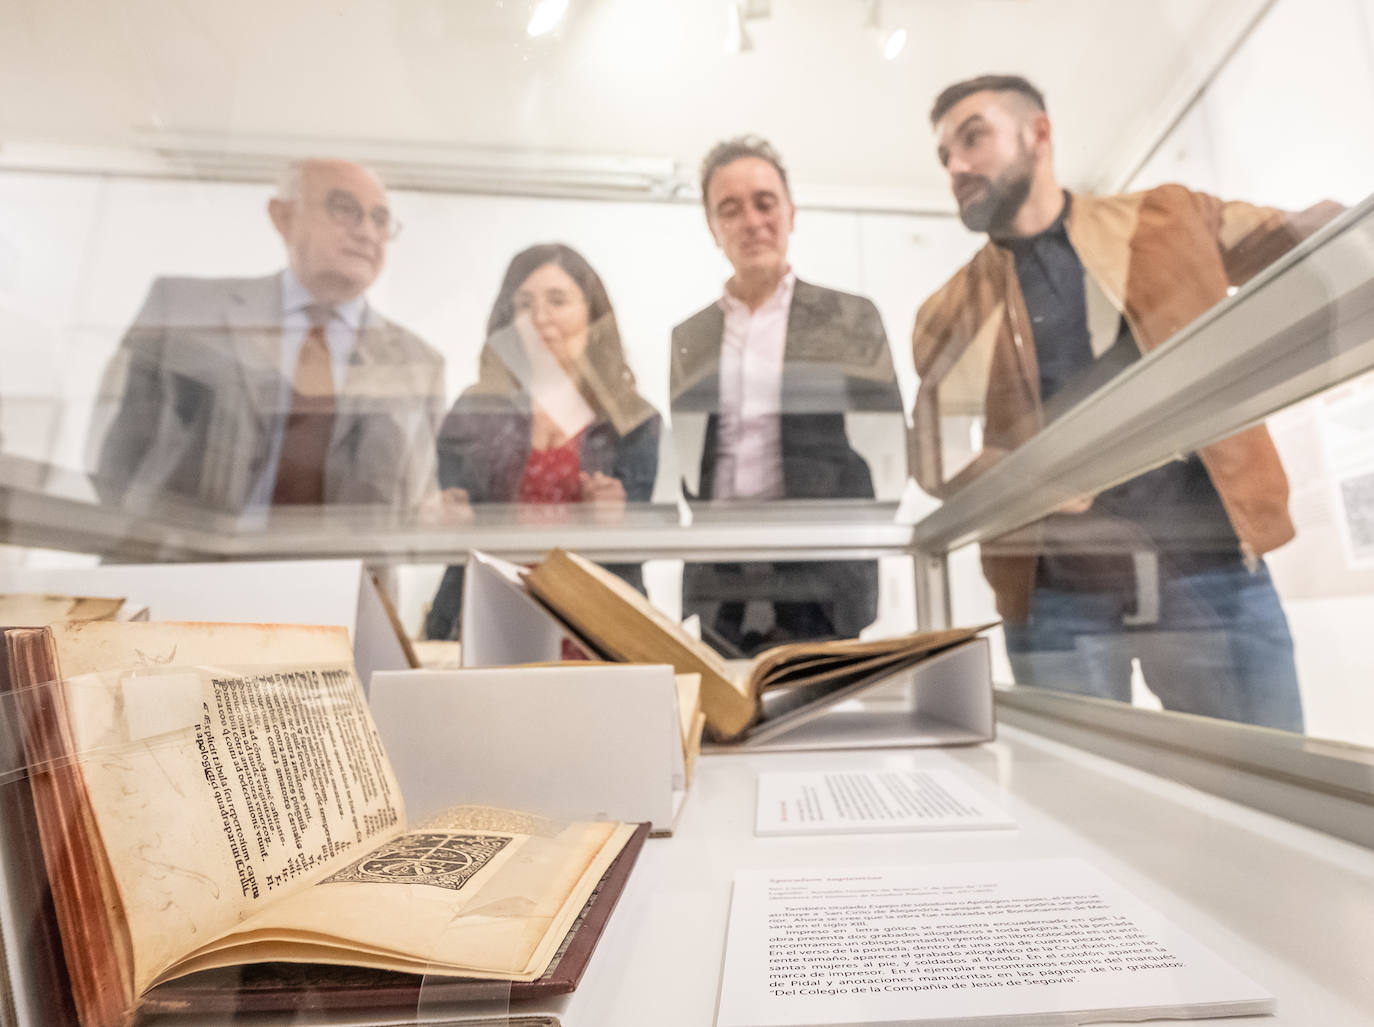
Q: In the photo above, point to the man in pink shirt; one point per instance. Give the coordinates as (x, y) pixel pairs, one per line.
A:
(774, 365)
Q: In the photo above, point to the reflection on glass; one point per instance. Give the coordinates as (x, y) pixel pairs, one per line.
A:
(237, 394)
(773, 366)
(1164, 569)
(31, 404)
(960, 405)
(555, 416)
(1324, 576)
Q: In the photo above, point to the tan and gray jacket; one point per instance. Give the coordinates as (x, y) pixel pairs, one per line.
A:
(1161, 257)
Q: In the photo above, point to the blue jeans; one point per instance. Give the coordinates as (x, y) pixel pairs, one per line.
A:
(1221, 647)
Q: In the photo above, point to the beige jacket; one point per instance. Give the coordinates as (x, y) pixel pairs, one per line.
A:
(1162, 257)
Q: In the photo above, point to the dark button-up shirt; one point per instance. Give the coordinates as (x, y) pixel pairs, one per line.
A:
(1173, 510)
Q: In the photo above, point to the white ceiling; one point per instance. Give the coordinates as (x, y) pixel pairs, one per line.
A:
(639, 78)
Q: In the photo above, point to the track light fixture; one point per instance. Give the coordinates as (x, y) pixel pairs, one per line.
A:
(547, 16)
(738, 13)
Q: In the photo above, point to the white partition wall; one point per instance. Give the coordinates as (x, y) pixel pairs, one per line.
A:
(1289, 118)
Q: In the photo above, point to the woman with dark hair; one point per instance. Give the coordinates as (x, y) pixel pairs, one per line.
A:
(555, 416)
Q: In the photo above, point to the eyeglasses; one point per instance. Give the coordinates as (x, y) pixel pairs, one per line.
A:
(343, 207)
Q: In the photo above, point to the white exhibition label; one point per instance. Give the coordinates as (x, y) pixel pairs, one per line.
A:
(855, 801)
(1036, 941)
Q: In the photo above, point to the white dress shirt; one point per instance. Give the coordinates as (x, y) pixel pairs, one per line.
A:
(749, 437)
(340, 334)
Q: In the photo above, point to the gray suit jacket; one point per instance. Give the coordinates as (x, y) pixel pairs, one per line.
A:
(191, 404)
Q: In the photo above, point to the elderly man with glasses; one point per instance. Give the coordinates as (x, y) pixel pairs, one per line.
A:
(236, 394)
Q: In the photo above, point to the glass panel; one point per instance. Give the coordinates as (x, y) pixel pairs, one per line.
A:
(1097, 604)
(1049, 313)
(1075, 285)
(167, 249)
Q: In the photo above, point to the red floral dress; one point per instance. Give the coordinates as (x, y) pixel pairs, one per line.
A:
(551, 474)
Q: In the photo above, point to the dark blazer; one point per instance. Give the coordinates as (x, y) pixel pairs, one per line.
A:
(484, 445)
(836, 360)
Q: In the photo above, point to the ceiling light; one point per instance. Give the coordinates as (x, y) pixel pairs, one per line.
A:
(403, 165)
(547, 16)
(737, 39)
(894, 43)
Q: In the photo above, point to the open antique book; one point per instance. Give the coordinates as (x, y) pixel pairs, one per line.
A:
(210, 795)
(621, 624)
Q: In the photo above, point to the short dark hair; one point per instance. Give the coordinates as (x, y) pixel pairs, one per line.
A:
(951, 95)
(732, 150)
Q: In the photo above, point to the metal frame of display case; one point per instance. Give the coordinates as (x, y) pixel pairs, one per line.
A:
(54, 509)
(1302, 325)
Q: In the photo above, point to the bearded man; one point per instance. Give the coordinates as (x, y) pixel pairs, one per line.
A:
(1070, 290)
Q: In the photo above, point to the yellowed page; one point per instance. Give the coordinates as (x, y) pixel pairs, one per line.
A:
(17, 609)
(822, 658)
(690, 757)
(492, 905)
(227, 766)
(689, 705)
(439, 654)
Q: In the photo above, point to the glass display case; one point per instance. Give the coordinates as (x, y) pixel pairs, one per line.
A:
(783, 311)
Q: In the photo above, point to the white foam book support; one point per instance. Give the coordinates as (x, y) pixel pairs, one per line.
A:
(572, 742)
(948, 695)
(946, 700)
(269, 592)
(503, 624)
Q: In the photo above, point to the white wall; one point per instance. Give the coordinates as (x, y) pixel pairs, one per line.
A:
(1289, 120)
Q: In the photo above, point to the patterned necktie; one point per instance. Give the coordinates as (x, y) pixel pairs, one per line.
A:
(305, 439)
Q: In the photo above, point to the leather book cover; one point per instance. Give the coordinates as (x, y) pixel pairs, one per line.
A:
(295, 987)
(32, 936)
(29, 929)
